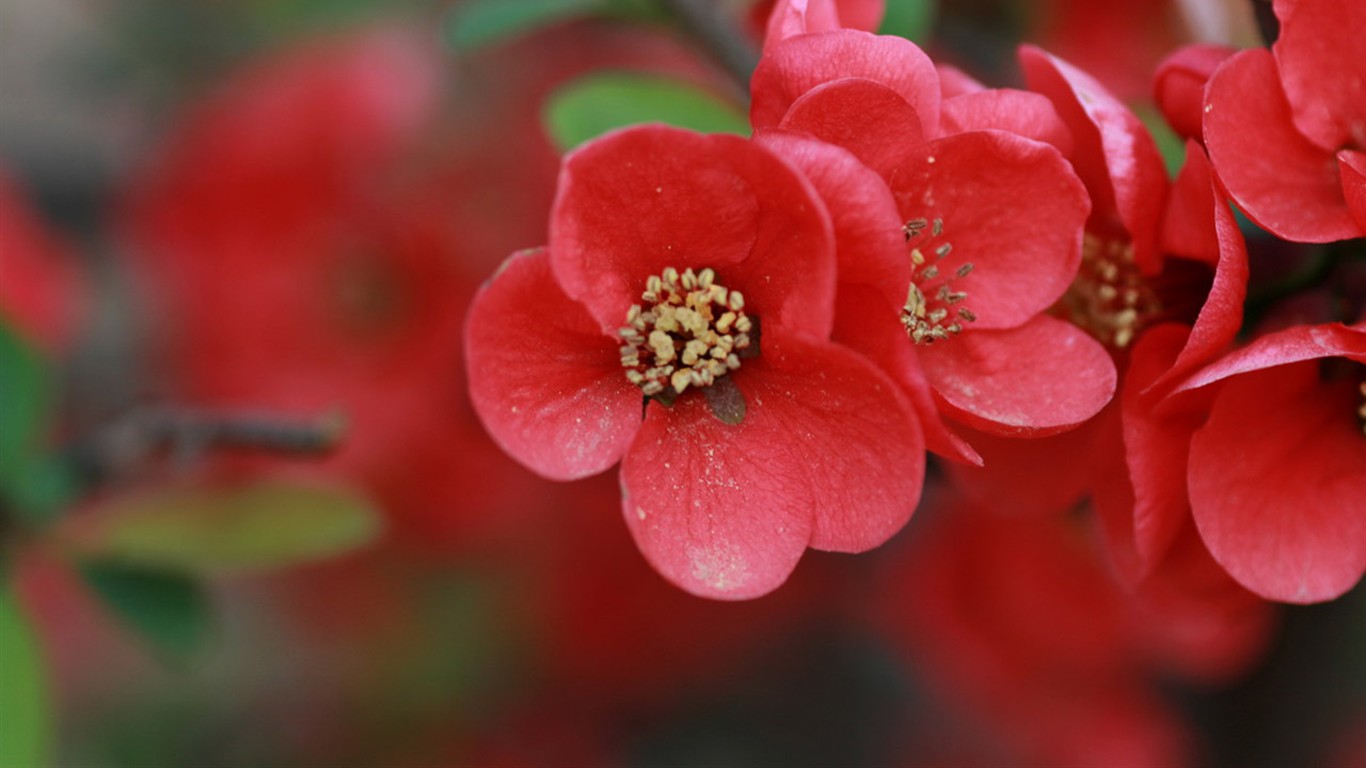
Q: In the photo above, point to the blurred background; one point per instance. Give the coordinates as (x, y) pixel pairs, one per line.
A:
(248, 519)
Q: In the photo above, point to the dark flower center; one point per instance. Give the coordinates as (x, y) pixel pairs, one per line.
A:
(688, 332)
(1109, 298)
(933, 310)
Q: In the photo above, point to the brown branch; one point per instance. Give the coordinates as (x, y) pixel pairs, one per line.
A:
(187, 434)
(723, 41)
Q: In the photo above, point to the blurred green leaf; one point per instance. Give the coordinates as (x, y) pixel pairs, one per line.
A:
(209, 529)
(596, 104)
(33, 485)
(46, 487)
(24, 404)
(169, 610)
(25, 720)
(483, 22)
(911, 19)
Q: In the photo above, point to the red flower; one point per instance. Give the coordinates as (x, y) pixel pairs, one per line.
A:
(1286, 128)
(990, 223)
(40, 289)
(1016, 622)
(1277, 471)
(314, 236)
(297, 272)
(667, 251)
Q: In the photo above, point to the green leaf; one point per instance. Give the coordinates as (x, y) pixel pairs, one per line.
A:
(911, 19)
(169, 610)
(25, 719)
(1172, 147)
(212, 530)
(483, 22)
(25, 402)
(596, 104)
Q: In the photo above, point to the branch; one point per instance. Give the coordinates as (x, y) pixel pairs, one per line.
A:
(187, 434)
(722, 40)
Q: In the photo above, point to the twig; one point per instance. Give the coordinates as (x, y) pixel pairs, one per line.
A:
(187, 434)
(723, 41)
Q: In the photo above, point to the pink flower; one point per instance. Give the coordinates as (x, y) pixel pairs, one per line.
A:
(679, 323)
(1286, 128)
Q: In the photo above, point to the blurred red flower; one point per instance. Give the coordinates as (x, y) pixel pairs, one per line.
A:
(40, 293)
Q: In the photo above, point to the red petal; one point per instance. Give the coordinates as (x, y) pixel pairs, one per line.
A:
(1323, 72)
(825, 454)
(1200, 620)
(1011, 207)
(642, 199)
(1040, 378)
(1222, 313)
(867, 118)
(1155, 448)
(1279, 178)
(866, 324)
(869, 243)
(861, 14)
(798, 64)
(790, 18)
(1352, 168)
(1179, 86)
(955, 82)
(1300, 342)
(1005, 109)
(1187, 225)
(798, 17)
(41, 289)
(545, 381)
(1115, 155)
(1040, 477)
(1277, 478)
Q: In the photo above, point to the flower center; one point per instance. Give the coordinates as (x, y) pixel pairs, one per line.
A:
(688, 332)
(1109, 298)
(932, 311)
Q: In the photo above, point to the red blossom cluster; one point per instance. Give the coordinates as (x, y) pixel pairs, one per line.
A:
(1125, 394)
(768, 333)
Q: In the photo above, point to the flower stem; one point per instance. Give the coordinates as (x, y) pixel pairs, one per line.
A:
(722, 40)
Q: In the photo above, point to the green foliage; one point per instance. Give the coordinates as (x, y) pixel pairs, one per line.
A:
(911, 19)
(25, 718)
(170, 610)
(487, 22)
(212, 530)
(24, 404)
(33, 485)
(596, 104)
(490, 21)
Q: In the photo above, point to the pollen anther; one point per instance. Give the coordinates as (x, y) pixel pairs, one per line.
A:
(686, 334)
(926, 314)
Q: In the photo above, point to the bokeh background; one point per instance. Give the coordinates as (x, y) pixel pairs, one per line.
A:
(250, 520)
